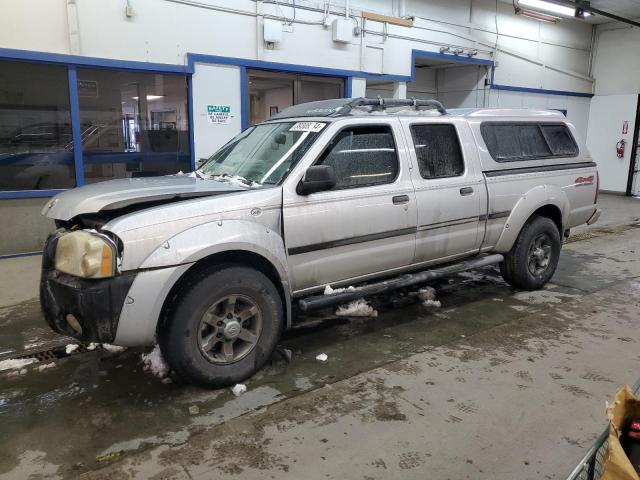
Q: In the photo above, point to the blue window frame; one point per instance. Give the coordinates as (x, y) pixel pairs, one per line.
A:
(161, 131)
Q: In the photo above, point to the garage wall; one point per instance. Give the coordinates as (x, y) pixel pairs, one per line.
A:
(616, 67)
(214, 85)
(530, 53)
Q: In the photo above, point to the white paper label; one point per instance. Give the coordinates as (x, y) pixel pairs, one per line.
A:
(314, 127)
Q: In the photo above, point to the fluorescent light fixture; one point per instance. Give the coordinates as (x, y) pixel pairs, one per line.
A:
(541, 17)
(150, 97)
(553, 8)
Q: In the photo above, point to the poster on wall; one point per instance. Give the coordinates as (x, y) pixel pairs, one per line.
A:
(219, 114)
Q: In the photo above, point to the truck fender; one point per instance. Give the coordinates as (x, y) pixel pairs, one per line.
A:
(164, 267)
(531, 201)
(208, 239)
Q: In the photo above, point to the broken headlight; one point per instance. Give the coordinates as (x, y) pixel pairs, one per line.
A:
(85, 254)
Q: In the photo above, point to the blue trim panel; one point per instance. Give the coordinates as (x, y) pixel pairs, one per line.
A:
(348, 87)
(509, 88)
(446, 56)
(244, 99)
(19, 255)
(29, 194)
(74, 103)
(30, 56)
(192, 143)
(289, 67)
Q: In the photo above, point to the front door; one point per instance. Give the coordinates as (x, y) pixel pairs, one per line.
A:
(367, 223)
(449, 186)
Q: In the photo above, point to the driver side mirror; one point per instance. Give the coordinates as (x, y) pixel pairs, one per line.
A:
(317, 179)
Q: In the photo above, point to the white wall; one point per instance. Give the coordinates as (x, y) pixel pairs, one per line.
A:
(616, 68)
(214, 85)
(608, 112)
(530, 53)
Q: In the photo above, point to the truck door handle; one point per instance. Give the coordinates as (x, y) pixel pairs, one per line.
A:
(466, 190)
(400, 199)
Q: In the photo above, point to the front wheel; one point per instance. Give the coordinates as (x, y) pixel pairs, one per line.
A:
(223, 326)
(533, 259)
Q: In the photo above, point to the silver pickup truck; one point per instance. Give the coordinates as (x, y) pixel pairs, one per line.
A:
(371, 193)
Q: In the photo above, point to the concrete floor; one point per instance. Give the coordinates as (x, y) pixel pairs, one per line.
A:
(495, 384)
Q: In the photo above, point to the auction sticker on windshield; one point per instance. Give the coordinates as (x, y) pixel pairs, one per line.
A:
(314, 127)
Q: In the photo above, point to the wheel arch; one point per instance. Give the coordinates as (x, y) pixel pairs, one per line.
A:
(241, 257)
(545, 200)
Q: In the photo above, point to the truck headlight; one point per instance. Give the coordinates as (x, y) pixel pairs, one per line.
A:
(86, 255)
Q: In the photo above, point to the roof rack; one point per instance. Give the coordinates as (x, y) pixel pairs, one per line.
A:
(384, 103)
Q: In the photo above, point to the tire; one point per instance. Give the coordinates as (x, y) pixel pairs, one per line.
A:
(533, 259)
(233, 305)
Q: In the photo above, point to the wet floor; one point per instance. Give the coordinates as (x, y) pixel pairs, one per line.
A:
(95, 408)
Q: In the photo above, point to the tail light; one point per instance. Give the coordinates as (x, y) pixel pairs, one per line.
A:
(595, 200)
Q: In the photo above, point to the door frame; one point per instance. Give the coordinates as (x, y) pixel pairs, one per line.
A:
(634, 168)
(296, 78)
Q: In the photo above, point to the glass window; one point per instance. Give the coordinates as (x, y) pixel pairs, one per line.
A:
(527, 141)
(560, 140)
(133, 124)
(263, 154)
(437, 150)
(362, 156)
(36, 152)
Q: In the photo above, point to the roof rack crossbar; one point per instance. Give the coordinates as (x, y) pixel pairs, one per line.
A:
(383, 103)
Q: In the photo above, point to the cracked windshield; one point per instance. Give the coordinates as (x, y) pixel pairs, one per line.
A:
(263, 154)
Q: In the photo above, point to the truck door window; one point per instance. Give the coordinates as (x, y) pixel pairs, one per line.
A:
(437, 150)
(362, 156)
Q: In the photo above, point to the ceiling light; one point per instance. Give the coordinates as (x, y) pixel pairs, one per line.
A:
(150, 97)
(542, 17)
(550, 7)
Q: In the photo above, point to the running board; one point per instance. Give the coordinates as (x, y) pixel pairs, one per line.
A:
(322, 301)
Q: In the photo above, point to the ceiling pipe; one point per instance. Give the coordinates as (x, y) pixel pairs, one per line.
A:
(588, 8)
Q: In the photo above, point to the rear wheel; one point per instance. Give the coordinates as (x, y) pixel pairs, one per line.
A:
(534, 257)
(223, 327)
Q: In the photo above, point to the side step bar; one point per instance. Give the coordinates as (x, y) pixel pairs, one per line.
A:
(322, 301)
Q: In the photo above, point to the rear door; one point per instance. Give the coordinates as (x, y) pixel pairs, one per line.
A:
(450, 189)
(367, 223)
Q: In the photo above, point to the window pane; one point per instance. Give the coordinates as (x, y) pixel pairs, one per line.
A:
(560, 140)
(438, 151)
(363, 156)
(508, 142)
(133, 124)
(36, 152)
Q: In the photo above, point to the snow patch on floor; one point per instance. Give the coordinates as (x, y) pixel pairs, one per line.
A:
(239, 389)
(428, 297)
(46, 366)
(113, 348)
(330, 291)
(70, 348)
(16, 363)
(154, 363)
(357, 308)
(322, 357)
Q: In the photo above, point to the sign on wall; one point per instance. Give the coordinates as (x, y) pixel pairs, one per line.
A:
(88, 88)
(219, 114)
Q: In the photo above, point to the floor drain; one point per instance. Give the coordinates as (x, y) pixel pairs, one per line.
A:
(52, 354)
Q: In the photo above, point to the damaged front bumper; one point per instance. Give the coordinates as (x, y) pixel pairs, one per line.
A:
(87, 309)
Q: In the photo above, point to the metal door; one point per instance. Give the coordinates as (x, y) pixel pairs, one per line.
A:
(350, 233)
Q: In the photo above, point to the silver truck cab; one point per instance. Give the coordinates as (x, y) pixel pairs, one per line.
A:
(371, 193)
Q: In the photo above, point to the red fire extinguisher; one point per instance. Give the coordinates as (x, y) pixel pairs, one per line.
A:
(620, 148)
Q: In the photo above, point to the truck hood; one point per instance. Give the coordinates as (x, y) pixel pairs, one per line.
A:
(119, 194)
